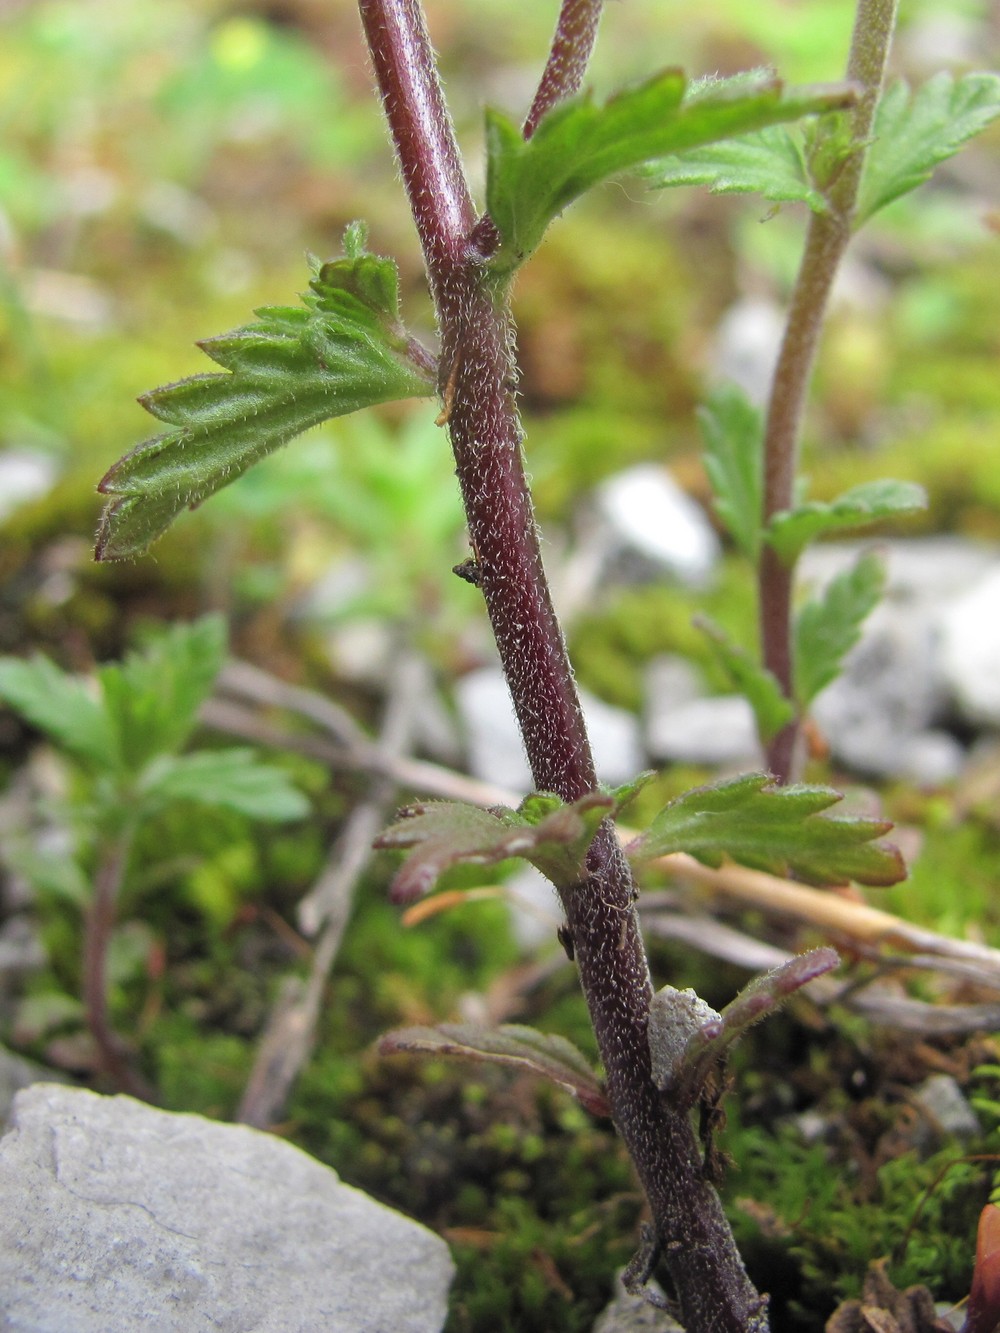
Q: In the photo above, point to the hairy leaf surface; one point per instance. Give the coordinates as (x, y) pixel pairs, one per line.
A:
(582, 142)
(760, 686)
(710, 1042)
(771, 162)
(829, 625)
(782, 830)
(342, 349)
(543, 1053)
(732, 430)
(438, 834)
(915, 131)
(792, 529)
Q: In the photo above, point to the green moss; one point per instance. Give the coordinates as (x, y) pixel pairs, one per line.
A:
(612, 644)
(816, 1222)
(952, 882)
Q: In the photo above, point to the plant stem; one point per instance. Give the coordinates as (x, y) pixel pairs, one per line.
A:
(114, 1057)
(827, 238)
(576, 32)
(476, 375)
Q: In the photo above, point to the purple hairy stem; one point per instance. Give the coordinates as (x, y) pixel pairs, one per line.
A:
(826, 240)
(475, 380)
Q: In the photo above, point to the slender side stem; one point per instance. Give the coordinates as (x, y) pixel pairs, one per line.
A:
(576, 32)
(113, 1053)
(826, 240)
(477, 375)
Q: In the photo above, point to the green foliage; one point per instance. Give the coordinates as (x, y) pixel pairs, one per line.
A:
(733, 437)
(512, 1044)
(553, 836)
(342, 350)
(790, 531)
(778, 829)
(828, 626)
(772, 162)
(579, 143)
(915, 132)
(127, 726)
(687, 1038)
(760, 687)
(816, 1218)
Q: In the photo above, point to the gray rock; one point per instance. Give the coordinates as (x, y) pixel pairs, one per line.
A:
(535, 910)
(881, 715)
(719, 731)
(17, 1073)
(117, 1216)
(747, 344)
(634, 1314)
(24, 476)
(944, 1103)
(653, 529)
(888, 693)
(494, 743)
(670, 682)
(970, 650)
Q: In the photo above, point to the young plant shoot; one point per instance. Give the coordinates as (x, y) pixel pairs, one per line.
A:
(346, 347)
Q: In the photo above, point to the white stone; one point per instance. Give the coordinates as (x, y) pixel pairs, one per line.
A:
(746, 346)
(495, 751)
(717, 731)
(970, 650)
(116, 1216)
(657, 524)
(24, 476)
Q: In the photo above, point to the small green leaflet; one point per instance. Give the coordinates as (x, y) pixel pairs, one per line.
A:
(732, 430)
(778, 829)
(61, 706)
(513, 1044)
(342, 349)
(771, 162)
(828, 626)
(759, 686)
(135, 710)
(687, 1038)
(792, 529)
(229, 779)
(129, 723)
(152, 697)
(438, 834)
(580, 142)
(914, 132)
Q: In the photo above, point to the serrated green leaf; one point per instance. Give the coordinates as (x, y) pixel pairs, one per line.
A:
(914, 132)
(628, 791)
(759, 686)
(580, 142)
(771, 163)
(687, 1050)
(51, 874)
(512, 1044)
(554, 837)
(792, 529)
(232, 779)
(64, 707)
(153, 696)
(828, 626)
(782, 830)
(732, 430)
(342, 350)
